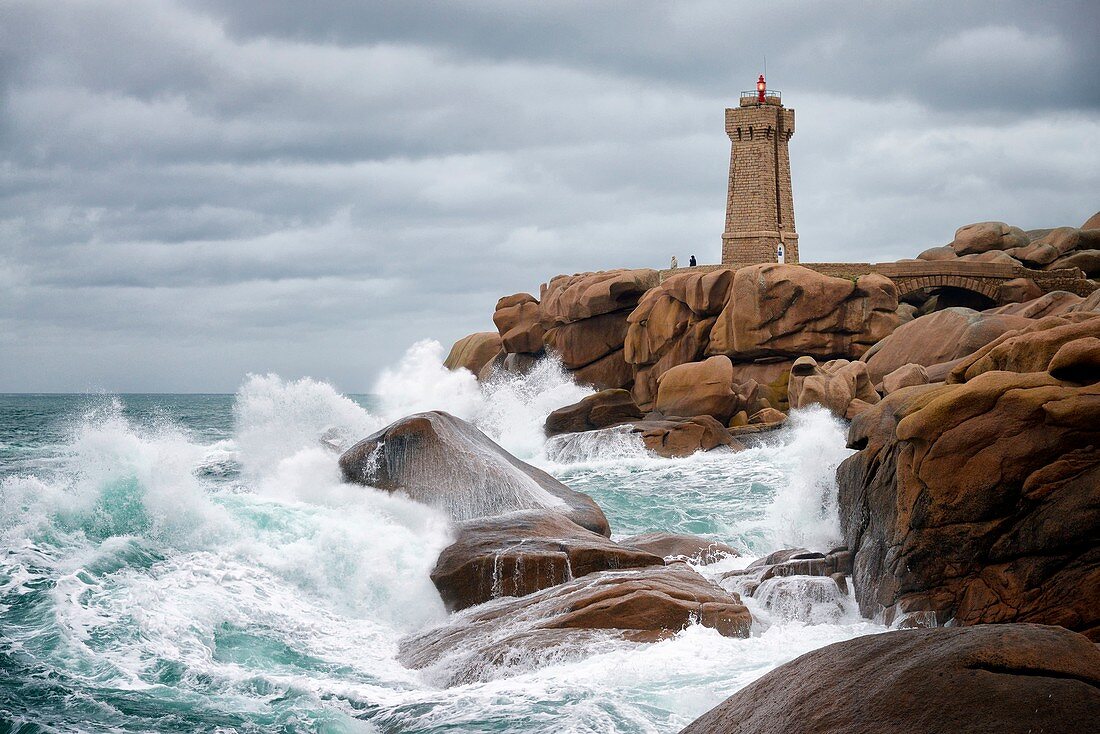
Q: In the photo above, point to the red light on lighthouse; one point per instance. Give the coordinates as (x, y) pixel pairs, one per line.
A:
(761, 86)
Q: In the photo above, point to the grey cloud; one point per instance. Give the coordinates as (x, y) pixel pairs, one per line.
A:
(193, 190)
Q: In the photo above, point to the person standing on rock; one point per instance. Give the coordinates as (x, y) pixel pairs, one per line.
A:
(691, 262)
(675, 262)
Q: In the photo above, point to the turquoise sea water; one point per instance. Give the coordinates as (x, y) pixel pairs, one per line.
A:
(194, 563)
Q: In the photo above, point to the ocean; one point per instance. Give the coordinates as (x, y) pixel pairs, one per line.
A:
(187, 563)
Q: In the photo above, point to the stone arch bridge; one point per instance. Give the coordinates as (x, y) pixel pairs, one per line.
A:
(976, 277)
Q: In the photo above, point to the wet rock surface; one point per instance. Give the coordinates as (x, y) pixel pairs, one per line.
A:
(473, 352)
(523, 552)
(990, 678)
(643, 605)
(443, 461)
(677, 438)
(673, 545)
(604, 409)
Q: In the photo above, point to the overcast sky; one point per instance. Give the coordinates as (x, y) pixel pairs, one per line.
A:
(191, 191)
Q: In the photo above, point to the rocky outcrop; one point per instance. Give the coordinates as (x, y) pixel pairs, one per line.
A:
(675, 546)
(443, 461)
(473, 352)
(841, 386)
(671, 326)
(938, 337)
(1054, 303)
(1029, 349)
(973, 239)
(524, 552)
(761, 313)
(585, 318)
(791, 311)
(572, 618)
(1087, 261)
(979, 680)
(517, 321)
(978, 502)
(678, 438)
(604, 409)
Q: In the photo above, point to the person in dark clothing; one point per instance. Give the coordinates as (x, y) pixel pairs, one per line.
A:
(691, 262)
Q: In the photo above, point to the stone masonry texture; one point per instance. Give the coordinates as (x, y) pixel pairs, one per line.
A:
(759, 205)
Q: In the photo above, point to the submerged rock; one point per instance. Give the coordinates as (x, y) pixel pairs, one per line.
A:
(443, 461)
(523, 552)
(677, 438)
(980, 680)
(643, 605)
(673, 545)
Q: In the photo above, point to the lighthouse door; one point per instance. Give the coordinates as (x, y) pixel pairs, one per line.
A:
(780, 255)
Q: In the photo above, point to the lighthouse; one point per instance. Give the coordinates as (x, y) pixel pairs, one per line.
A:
(759, 202)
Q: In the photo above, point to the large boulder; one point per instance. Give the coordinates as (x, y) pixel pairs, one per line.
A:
(517, 320)
(443, 461)
(602, 410)
(841, 386)
(973, 239)
(977, 502)
(473, 352)
(585, 320)
(699, 388)
(1092, 222)
(980, 680)
(641, 605)
(524, 552)
(938, 254)
(791, 311)
(939, 337)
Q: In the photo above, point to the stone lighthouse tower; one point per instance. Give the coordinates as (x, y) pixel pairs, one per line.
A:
(759, 205)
